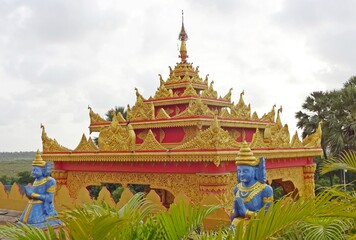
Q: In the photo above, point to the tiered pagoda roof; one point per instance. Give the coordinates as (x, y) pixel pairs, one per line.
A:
(186, 114)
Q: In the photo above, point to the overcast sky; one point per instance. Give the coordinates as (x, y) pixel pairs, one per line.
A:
(58, 57)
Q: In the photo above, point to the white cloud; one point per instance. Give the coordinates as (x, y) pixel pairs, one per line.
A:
(58, 57)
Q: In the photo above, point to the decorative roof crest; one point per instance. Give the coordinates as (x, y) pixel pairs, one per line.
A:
(269, 117)
(85, 145)
(51, 145)
(212, 138)
(296, 143)
(95, 118)
(150, 143)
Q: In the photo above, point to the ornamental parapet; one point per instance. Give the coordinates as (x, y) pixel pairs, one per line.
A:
(227, 155)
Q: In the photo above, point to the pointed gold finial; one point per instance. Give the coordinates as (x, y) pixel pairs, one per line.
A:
(183, 37)
(245, 156)
(38, 160)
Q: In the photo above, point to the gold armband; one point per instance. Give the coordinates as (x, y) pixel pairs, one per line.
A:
(267, 199)
(51, 189)
(35, 195)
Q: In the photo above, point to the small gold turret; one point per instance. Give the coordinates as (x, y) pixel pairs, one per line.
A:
(183, 37)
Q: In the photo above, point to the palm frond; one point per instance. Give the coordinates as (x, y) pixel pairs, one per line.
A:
(326, 228)
(22, 231)
(286, 213)
(347, 161)
(181, 219)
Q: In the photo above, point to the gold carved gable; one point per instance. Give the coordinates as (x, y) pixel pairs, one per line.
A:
(210, 92)
(228, 95)
(224, 113)
(163, 92)
(313, 140)
(150, 143)
(212, 138)
(85, 145)
(141, 111)
(114, 137)
(269, 117)
(241, 112)
(173, 79)
(296, 143)
(95, 118)
(196, 79)
(280, 137)
(255, 116)
(196, 108)
(184, 72)
(190, 91)
(257, 140)
(190, 133)
(51, 145)
(162, 114)
(120, 118)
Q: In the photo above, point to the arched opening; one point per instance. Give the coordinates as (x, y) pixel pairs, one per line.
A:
(281, 188)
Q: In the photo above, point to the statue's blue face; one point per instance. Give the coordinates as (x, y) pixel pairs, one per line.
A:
(245, 173)
(37, 172)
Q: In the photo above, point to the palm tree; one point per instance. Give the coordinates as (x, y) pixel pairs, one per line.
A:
(315, 108)
(109, 114)
(337, 110)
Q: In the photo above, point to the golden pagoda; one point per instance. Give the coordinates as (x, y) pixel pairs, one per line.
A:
(184, 139)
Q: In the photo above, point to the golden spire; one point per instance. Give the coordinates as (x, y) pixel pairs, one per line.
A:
(38, 160)
(245, 156)
(183, 37)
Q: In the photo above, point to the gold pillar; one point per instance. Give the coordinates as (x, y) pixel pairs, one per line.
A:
(60, 176)
(214, 184)
(309, 185)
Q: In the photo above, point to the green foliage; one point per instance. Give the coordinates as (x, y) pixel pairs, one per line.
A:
(330, 215)
(12, 167)
(7, 180)
(25, 232)
(24, 177)
(278, 192)
(116, 194)
(109, 114)
(135, 220)
(325, 228)
(337, 110)
(111, 187)
(181, 220)
(286, 213)
(347, 160)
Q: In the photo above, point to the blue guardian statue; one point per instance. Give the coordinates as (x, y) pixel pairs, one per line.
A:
(251, 192)
(40, 194)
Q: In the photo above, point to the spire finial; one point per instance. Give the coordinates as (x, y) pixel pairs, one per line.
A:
(183, 36)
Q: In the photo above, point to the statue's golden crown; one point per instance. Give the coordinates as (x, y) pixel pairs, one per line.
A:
(38, 160)
(245, 156)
